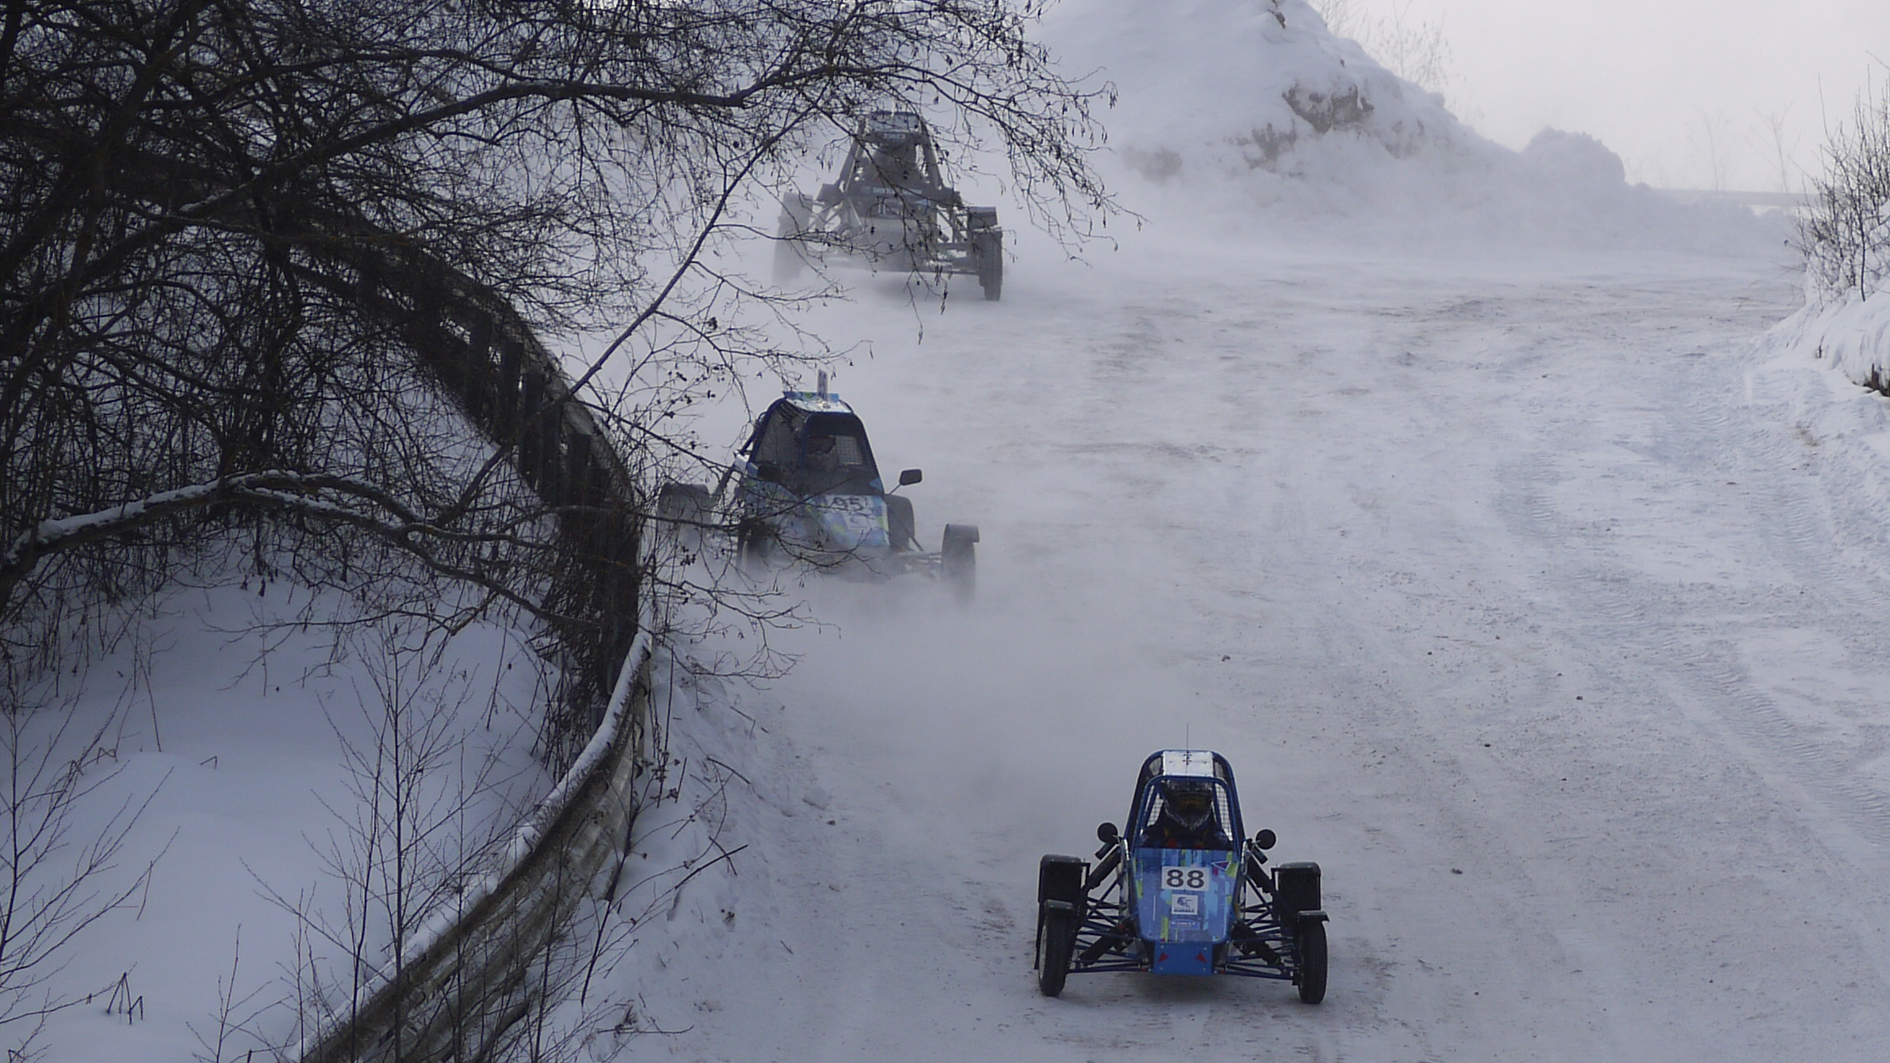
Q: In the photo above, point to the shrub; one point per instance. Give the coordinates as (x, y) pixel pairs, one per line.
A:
(1845, 234)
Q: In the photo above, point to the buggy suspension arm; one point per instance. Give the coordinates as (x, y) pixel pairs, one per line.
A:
(1111, 857)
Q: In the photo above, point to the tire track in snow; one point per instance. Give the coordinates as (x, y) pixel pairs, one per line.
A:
(1375, 499)
(1711, 687)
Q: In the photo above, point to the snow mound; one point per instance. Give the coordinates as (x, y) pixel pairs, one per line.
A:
(1851, 333)
(1253, 109)
(1233, 86)
(1576, 158)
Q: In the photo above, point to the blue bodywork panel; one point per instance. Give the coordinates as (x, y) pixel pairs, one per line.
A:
(1184, 905)
(824, 523)
(1185, 894)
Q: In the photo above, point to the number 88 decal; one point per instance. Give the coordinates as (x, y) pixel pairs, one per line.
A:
(1184, 878)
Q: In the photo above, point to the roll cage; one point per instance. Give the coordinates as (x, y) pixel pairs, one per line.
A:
(893, 155)
(782, 448)
(1193, 766)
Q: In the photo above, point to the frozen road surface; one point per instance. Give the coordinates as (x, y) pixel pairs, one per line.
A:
(1535, 599)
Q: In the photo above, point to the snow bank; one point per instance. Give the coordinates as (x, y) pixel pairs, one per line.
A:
(1253, 110)
(249, 731)
(1235, 86)
(1851, 332)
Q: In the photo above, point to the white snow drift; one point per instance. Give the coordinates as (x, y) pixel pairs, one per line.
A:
(1251, 111)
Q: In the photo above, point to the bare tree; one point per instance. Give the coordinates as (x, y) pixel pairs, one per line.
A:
(205, 205)
(1711, 135)
(1845, 235)
(1414, 49)
(407, 842)
(57, 879)
(259, 260)
(1777, 144)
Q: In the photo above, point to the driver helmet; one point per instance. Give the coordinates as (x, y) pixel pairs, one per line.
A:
(1191, 804)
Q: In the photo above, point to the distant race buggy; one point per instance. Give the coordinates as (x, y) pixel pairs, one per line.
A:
(890, 208)
(1184, 892)
(806, 490)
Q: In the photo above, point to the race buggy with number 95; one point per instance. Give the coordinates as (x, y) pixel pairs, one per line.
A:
(1183, 892)
(807, 492)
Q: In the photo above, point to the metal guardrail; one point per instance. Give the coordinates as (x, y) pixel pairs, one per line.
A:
(459, 989)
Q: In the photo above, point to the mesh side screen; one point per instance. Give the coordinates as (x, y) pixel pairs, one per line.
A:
(776, 445)
(1155, 806)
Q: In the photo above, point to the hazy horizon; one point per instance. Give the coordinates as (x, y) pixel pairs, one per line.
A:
(1690, 93)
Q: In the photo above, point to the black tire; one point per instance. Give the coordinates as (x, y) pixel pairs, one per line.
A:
(789, 247)
(958, 560)
(1310, 944)
(683, 511)
(900, 528)
(754, 545)
(987, 255)
(1056, 940)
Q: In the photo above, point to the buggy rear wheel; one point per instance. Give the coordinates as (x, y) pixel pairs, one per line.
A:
(683, 511)
(987, 255)
(1056, 940)
(1310, 944)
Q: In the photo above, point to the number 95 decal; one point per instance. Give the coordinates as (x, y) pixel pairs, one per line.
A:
(1185, 878)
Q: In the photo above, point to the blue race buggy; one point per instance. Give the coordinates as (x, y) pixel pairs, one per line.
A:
(1184, 892)
(807, 490)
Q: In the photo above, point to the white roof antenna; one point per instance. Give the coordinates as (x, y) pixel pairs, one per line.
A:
(821, 383)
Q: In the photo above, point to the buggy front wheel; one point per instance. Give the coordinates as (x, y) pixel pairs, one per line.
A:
(1056, 940)
(958, 560)
(754, 542)
(1312, 961)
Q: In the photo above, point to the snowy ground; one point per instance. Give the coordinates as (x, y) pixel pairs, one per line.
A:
(1530, 596)
(1530, 592)
(251, 761)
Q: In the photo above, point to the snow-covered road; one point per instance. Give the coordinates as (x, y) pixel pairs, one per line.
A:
(1530, 597)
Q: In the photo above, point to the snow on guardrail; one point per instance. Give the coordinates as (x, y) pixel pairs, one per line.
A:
(454, 985)
(460, 987)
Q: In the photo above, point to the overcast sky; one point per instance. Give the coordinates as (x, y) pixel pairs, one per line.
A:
(1682, 90)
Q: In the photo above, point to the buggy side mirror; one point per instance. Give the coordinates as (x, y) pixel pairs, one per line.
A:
(1108, 834)
(1265, 838)
(909, 477)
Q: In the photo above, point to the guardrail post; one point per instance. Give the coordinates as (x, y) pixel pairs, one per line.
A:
(531, 454)
(551, 432)
(367, 282)
(477, 394)
(578, 474)
(505, 397)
